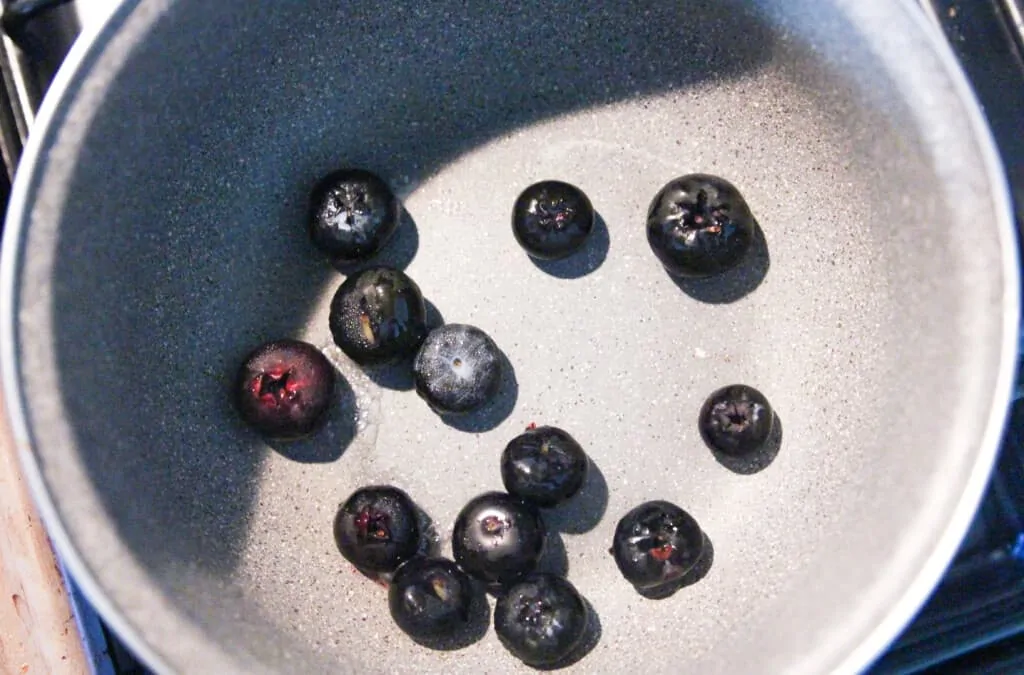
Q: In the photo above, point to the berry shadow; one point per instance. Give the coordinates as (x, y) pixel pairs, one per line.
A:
(699, 571)
(584, 261)
(430, 535)
(496, 411)
(399, 251)
(591, 637)
(584, 511)
(554, 560)
(474, 630)
(734, 284)
(399, 375)
(755, 461)
(381, 581)
(332, 438)
(434, 317)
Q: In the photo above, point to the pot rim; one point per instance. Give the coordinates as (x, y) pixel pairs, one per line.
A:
(77, 67)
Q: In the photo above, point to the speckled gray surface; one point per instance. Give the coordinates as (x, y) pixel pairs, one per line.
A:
(167, 240)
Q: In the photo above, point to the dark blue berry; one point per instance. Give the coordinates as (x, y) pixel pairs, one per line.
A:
(544, 465)
(430, 598)
(541, 620)
(352, 214)
(656, 544)
(458, 369)
(551, 219)
(284, 388)
(376, 529)
(699, 225)
(736, 420)
(498, 538)
(378, 315)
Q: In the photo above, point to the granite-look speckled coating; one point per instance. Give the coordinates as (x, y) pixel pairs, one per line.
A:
(166, 236)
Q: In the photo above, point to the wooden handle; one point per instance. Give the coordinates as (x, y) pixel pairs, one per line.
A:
(38, 634)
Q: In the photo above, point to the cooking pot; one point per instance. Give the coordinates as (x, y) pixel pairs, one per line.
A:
(156, 234)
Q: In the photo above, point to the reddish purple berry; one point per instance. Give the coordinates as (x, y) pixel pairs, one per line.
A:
(284, 388)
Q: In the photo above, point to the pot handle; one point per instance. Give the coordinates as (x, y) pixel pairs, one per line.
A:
(18, 14)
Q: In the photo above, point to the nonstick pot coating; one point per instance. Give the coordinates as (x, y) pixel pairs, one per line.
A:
(157, 236)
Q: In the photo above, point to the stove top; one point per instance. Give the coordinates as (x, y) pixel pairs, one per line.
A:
(974, 621)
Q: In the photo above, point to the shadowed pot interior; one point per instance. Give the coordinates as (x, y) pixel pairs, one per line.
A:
(158, 235)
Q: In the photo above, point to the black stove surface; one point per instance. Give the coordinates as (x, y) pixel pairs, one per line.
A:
(974, 621)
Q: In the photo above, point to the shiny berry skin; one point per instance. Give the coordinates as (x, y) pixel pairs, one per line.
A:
(352, 214)
(551, 219)
(736, 420)
(544, 465)
(376, 529)
(699, 225)
(430, 598)
(541, 619)
(458, 369)
(498, 538)
(284, 388)
(378, 315)
(656, 544)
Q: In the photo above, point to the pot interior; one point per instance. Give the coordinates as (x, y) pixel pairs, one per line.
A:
(164, 238)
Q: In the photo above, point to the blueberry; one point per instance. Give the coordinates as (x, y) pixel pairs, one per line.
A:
(430, 598)
(699, 225)
(544, 465)
(498, 538)
(656, 544)
(378, 315)
(376, 529)
(541, 620)
(352, 214)
(284, 388)
(458, 369)
(736, 420)
(551, 219)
